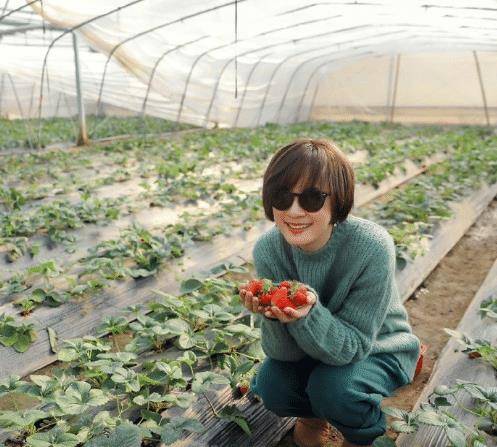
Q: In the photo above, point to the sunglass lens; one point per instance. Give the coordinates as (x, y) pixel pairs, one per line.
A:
(282, 200)
(312, 200)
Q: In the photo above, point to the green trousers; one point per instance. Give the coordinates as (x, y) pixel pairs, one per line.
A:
(348, 396)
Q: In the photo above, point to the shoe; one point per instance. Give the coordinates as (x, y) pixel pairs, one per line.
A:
(311, 432)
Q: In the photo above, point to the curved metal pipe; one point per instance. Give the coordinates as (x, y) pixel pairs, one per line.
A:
(157, 62)
(277, 68)
(227, 45)
(278, 114)
(246, 87)
(150, 30)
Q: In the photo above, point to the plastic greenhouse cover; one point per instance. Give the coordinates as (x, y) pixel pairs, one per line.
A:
(217, 62)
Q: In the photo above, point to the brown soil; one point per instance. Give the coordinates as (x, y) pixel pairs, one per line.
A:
(441, 302)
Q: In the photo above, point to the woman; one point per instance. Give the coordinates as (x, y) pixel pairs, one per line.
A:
(334, 359)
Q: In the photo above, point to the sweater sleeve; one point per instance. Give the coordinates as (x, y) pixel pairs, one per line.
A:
(347, 335)
(276, 341)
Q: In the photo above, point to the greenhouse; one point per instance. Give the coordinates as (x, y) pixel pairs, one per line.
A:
(247, 223)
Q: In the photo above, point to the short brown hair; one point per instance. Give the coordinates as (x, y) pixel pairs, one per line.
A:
(318, 163)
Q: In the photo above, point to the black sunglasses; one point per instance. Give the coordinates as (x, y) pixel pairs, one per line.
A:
(310, 199)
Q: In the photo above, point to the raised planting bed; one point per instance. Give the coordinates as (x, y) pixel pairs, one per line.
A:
(79, 242)
(19, 135)
(458, 380)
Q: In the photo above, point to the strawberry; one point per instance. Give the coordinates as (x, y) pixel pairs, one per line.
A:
(265, 299)
(286, 284)
(255, 286)
(279, 293)
(300, 299)
(283, 302)
(243, 388)
(302, 289)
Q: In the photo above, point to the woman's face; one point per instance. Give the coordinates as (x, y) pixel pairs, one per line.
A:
(314, 236)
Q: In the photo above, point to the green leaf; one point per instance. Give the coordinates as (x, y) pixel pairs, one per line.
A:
(402, 427)
(396, 412)
(190, 285)
(203, 380)
(79, 397)
(53, 438)
(218, 269)
(245, 367)
(431, 418)
(456, 437)
(186, 340)
(233, 414)
(20, 419)
(125, 435)
(173, 430)
(177, 326)
(242, 329)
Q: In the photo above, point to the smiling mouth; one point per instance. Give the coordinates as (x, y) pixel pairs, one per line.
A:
(297, 227)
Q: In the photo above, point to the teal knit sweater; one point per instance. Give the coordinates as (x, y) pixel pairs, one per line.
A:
(359, 311)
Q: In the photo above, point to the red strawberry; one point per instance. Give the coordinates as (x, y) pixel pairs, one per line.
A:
(279, 293)
(265, 299)
(302, 289)
(286, 284)
(283, 302)
(300, 299)
(243, 388)
(255, 286)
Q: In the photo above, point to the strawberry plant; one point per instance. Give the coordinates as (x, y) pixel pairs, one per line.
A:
(16, 335)
(476, 348)
(488, 307)
(140, 392)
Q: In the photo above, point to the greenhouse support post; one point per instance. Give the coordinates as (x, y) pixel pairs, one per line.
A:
(83, 135)
(395, 83)
(2, 85)
(482, 88)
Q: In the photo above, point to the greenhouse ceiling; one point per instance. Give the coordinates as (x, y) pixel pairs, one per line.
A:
(217, 62)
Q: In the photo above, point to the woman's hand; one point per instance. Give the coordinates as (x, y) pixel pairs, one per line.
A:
(287, 315)
(250, 301)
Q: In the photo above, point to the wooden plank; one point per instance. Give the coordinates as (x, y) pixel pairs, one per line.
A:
(266, 427)
(452, 365)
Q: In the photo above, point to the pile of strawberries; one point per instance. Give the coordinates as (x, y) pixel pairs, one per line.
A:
(286, 294)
